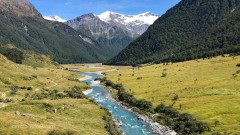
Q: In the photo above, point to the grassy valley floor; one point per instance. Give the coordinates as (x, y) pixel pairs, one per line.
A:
(30, 102)
(209, 89)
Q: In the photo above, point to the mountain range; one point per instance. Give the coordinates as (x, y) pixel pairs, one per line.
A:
(113, 31)
(87, 38)
(190, 30)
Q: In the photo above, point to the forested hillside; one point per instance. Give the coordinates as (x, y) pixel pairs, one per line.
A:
(25, 28)
(190, 30)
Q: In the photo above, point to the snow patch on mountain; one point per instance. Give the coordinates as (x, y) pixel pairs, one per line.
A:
(144, 18)
(54, 18)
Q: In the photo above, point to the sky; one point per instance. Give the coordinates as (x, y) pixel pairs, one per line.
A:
(69, 9)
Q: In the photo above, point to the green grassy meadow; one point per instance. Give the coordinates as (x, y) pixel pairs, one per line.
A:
(209, 89)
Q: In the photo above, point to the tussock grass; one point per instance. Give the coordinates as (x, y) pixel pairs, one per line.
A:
(78, 115)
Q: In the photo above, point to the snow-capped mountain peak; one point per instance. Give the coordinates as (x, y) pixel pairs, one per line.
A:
(135, 24)
(147, 14)
(106, 16)
(54, 18)
(144, 18)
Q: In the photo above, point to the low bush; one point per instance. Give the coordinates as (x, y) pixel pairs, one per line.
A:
(164, 74)
(127, 97)
(110, 124)
(14, 90)
(29, 88)
(12, 54)
(7, 100)
(52, 94)
(181, 123)
(60, 132)
(76, 92)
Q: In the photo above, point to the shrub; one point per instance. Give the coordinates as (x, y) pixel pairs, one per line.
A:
(7, 82)
(75, 93)
(14, 89)
(110, 124)
(27, 95)
(23, 87)
(175, 98)
(53, 94)
(164, 74)
(1, 100)
(216, 122)
(34, 76)
(39, 96)
(181, 123)
(59, 132)
(12, 54)
(29, 88)
(7, 100)
(143, 104)
(216, 133)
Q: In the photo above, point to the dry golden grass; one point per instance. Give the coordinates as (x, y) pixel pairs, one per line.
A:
(80, 116)
(12, 74)
(206, 88)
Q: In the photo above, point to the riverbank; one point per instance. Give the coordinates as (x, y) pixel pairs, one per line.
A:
(155, 127)
(110, 124)
(36, 100)
(86, 92)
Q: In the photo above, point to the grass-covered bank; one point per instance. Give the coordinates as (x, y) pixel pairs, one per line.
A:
(208, 89)
(166, 115)
(47, 101)
(44, 116)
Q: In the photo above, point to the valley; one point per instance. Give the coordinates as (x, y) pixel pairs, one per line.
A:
(35, 101)
(206, 88)
(174, 70)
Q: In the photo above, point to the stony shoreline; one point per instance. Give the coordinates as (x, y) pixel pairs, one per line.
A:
(155, 127)
(86, 92)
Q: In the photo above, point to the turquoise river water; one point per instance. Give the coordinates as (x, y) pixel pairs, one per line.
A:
(128, 121)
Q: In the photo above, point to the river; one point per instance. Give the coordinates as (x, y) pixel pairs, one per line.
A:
(128, 121)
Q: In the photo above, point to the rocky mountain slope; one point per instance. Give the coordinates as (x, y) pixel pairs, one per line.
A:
(113, 31)
(19, 8)
(22, 25)
(190, 30)
(135, 24)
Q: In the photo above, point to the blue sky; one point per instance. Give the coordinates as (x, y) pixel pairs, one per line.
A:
(69, 9)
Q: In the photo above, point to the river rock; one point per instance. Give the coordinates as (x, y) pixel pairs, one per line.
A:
(27, 115)
(17, 113)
